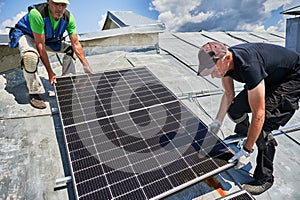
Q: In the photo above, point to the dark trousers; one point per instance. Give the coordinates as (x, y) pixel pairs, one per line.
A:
(281, 102)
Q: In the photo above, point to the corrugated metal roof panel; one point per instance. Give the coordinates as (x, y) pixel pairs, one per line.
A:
(4, 39)
(195, 38)
(186, 52)
(292, 11)
(246, 36)
(223, 36)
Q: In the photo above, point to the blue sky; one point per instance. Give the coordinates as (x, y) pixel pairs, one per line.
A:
(178, 15)
(87, 13)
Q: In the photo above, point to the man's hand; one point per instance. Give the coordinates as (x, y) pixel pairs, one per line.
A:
(52, 77)
(214, 127)
(242, 157)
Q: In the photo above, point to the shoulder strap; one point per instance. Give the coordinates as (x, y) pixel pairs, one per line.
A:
(66, 16)
(42, 8)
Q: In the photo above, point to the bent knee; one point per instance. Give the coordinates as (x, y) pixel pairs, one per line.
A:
(237, 118)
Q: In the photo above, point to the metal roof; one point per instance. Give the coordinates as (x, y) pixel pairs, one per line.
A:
(292, 11)
(118, 19)
(4, 39)
(32, 155)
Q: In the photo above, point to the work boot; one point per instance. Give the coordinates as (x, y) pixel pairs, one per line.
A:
(36, 101)
(257, 187)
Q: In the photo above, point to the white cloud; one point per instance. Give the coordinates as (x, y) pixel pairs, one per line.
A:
(1, 5)
(251, 27)
(272, 5)
(102, 21)
(176, 13)
(215, 15)
(10, 22)
(281, 25)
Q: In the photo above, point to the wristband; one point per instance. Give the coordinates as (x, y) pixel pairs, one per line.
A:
(247, 150)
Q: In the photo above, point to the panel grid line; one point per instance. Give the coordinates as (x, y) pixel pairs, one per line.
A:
(117, 147)
(99, 157)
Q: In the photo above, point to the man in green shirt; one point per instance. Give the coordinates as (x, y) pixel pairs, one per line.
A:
(42, 30)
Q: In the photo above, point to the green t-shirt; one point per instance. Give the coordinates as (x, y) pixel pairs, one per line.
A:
(37, 23)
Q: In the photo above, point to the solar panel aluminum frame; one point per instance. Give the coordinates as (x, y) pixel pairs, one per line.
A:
(194, 181)
(243, 194)
(65, 139)
(163, 194)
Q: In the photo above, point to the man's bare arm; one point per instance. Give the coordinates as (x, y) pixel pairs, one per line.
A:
(80, 53)
(227, 97)
(256, 98)
(41, 48)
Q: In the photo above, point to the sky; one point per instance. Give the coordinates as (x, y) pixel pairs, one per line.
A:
(177, 15)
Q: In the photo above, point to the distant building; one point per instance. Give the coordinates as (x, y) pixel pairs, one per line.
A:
(293, 29)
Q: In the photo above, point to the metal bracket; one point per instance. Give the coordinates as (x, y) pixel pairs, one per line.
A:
(61, 183)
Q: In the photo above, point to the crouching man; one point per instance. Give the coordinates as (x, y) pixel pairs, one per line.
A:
(271, 75)
(39, 31)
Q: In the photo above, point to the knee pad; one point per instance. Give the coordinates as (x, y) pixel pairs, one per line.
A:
(237, 120)
(30, 61)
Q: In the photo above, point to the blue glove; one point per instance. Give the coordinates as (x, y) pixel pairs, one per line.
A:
(242, 157)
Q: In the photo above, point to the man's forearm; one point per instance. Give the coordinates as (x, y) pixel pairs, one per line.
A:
(78, 50)
(224, 105)
(45, 61)
(44, 58)
(80, 54)
(256, 100)
(254, 130)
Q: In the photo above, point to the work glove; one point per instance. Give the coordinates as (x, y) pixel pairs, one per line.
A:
(242, 157)
(214, 127)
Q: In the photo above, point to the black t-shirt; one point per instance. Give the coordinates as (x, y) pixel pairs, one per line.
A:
(254, 62)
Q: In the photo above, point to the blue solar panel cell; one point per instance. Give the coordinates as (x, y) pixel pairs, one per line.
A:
(115, 176)
(124, 186)
(137, 194)
(158, 187)
(98, 194)
(182, 177)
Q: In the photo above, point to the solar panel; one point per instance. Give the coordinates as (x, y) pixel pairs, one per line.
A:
(129, 137)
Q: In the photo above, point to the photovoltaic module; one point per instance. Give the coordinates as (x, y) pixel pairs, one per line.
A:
(129, 137)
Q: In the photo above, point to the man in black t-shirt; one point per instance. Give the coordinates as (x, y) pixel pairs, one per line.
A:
(271, 75)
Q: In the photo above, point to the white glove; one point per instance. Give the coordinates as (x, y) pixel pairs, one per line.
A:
(242, 157)
(214, 127)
